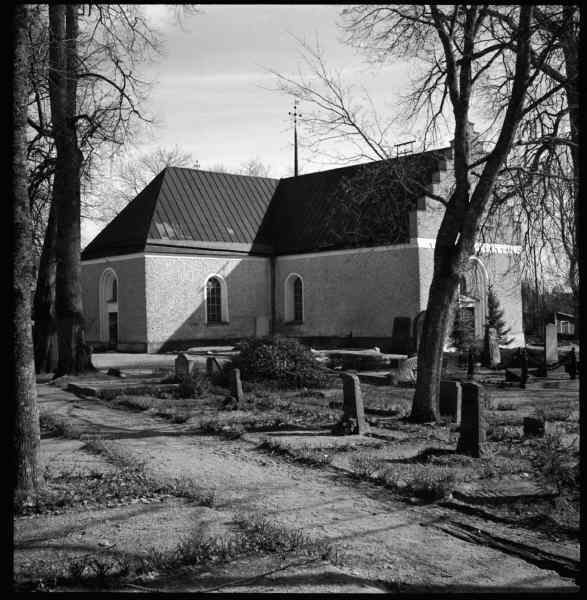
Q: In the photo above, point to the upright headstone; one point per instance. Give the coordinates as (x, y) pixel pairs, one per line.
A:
(523, 367)
(494, 355)
(236, 386)
(450, 400)
(550, 344)
(401, 334)
(571, 368)
(534, 426)
(473, 425)
(353, 417)
(183, 366)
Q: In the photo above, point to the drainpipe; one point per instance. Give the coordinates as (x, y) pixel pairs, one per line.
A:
(272, 283)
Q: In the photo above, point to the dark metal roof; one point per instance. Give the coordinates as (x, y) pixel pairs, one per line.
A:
(182, 207)
(127, 232)
(188, 210)
(355, 206)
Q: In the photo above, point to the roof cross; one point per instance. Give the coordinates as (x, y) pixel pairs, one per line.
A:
(295, 114)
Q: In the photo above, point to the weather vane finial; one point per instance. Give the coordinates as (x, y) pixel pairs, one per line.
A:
(295, 114)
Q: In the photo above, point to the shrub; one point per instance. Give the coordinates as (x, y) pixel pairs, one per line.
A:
(282, 360)
(555, 463)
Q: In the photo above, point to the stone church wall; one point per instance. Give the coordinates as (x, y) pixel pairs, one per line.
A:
(132, 328)
(353, 293)
(175, 298)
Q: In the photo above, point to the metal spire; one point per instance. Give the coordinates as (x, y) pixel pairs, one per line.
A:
(295, 114)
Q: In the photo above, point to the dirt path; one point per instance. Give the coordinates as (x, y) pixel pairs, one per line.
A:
(377, 537)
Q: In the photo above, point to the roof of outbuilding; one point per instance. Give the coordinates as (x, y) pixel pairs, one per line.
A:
(189, 210)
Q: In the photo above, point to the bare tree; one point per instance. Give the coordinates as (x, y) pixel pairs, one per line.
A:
(132, 176)
(458, 47)
(253, 167)
(26, 435)
(103, 95)
(74, 353)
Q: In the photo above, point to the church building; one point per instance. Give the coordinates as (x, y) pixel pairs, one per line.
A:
(342, 257)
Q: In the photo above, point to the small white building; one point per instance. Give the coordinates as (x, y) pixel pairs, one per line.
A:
(202, 258)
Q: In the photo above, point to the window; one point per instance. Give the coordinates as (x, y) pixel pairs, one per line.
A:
(298, 299)
(294, 299)
(213, 301)
(114, 291)
(108, 307)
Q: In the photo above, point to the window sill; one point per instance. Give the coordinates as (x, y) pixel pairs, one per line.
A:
(294, 323)
(221, 324)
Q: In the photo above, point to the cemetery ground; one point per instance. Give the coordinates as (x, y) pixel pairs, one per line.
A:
(153, 492)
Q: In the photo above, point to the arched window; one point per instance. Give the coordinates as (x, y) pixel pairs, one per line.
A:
(294, 299)
(108, 307)
(213, 301)
(298, 298)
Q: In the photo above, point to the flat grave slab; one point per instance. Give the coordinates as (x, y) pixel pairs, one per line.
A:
(311, 439)
(107, 389)
(506, 490)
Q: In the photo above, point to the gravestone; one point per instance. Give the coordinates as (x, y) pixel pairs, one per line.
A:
(450, 400)
(236, 386)
(401, 334)
(523, 367)
(473, 425)
(571, 367)
(550, 344)
(494, 355)
(183, 366)
(534, 427)
(353, 417)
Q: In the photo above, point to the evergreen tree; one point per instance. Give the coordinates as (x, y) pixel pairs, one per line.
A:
(495, 318)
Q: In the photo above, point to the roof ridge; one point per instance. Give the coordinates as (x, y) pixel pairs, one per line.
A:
(223, 173)
(366, 164)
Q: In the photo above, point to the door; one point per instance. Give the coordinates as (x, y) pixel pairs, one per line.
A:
(112, 330)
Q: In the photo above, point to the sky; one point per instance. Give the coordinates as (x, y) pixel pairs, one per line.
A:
(213, 95)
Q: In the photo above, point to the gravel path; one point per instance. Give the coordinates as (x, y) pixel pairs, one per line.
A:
(377, 537)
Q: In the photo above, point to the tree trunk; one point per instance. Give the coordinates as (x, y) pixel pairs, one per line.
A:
(570, 45)
(437, 321)
(45, 327)
(74, 353)
(26, 416)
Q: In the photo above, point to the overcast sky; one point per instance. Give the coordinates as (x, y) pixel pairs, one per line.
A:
(210, 96)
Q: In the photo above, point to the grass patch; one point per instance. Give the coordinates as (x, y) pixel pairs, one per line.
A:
(503, 433)
(428, 481)
(366, 466)
(256, 535)
(305, 454)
